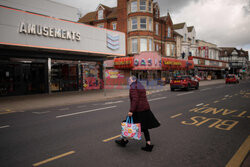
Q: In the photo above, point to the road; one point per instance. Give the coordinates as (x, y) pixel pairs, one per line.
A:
(204, 127)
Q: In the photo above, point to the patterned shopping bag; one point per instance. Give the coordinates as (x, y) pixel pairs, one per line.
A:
(131, 130)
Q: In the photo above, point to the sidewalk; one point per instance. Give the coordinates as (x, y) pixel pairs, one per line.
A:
(30, 102)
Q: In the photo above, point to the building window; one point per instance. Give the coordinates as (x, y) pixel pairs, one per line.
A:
(185, 37)
(169, 32)
(149, 5)
(134, 6)
(143, 23)
(114, 26)
(150, 24)
(173, 50)
(157, 29)
(100, 25)
(100, 14)
(157, 47)
(150, 45)
(142, 5)
(168, 50)
(134, 45)
(134, 24)
(143, 44)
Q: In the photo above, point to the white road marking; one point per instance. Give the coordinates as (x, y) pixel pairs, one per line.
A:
(113, 102)
(226, 95)
(44, 112)
(205, 89)
(199, 104)
(159, 98)
(184, 93)
(81, 106)
(63, 109)
(83, 112)
(6, 126)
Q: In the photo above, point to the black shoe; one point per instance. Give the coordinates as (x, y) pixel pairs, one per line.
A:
(148, 148)
(122, 142)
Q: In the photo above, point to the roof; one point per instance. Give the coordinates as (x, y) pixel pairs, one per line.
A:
(91, 16)
(179, 26)
(190, 29)
(177, 34)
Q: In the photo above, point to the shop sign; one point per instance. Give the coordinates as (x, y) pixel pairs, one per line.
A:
(34, 29)
(114, 74)
(113, 42)
(126, 62)
(172, 63)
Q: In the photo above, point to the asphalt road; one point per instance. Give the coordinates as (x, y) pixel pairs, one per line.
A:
(199, 128)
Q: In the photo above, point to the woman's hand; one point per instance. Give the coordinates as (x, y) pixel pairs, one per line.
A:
(130, 114)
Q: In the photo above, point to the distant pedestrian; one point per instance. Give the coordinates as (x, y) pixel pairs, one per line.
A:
(141, 113)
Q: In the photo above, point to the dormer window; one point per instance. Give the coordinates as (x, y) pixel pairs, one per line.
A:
(100, 14)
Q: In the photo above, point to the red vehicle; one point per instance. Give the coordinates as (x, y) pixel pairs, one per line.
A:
(232, 78)
(184, 82)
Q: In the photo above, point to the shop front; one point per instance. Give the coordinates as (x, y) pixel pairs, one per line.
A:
(209, 69)
(152, 69)
(40, 54)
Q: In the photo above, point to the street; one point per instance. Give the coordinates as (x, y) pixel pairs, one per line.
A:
(203, 127)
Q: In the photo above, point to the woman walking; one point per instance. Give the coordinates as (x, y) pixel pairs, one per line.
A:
(141, 113)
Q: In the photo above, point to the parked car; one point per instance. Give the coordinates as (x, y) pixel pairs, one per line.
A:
(232, 78)
(184, 82)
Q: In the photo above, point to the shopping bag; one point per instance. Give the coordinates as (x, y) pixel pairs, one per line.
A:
(131, 130)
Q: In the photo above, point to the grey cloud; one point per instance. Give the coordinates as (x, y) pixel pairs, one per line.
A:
(246, 8)
(174, 6)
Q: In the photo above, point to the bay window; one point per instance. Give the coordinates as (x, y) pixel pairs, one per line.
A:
(143, 44)
(134, 45)
(134, 6)
(143, 23)
(142, 5)
(134, 23)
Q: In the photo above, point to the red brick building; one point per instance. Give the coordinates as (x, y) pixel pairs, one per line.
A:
(140, 20)
(149, 37)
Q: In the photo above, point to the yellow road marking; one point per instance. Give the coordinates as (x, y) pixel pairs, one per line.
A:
(6, 111)
(224, 99)
(240, 155)
(206, 105)
(106, 140)
(174, 116)
(216, 101)
(53, 158)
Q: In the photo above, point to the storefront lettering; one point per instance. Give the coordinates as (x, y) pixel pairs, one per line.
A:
(136, 62)
(39, 30)
(143, 63)
(149, 62)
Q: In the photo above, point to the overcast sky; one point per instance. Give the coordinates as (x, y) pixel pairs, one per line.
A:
(223, 22)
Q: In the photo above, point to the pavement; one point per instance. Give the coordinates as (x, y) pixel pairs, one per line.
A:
(23, 103)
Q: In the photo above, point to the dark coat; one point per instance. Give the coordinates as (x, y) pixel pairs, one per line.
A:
(138, 98)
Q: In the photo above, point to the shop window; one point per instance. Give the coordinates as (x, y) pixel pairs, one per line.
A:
(114, 26)
(134, 6)
(134, 24)
(143, 44)
(157, 29)
(149, 5)
(100, 25)
(143, 23)
(134, 45)
(142, 5)
(150, 24)
(100, 14)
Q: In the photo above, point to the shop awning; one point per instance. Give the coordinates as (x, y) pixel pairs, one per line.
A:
(175, 64)
(124, 63)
